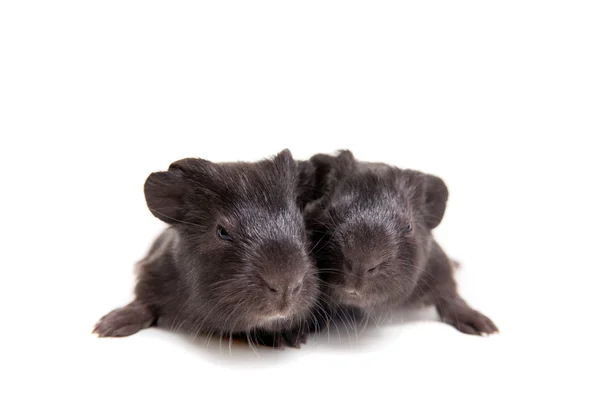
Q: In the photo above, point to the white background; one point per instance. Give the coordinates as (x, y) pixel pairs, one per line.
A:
(501, 100)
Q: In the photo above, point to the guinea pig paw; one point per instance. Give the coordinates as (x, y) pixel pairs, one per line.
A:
(124, 321)
(295, 339)
(281, 340)
(274, 340)
(278, 342)
(468, 320)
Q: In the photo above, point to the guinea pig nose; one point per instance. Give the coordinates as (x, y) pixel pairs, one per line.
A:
(296, 288)
(351, 292)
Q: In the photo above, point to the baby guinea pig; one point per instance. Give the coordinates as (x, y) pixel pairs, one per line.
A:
(234, 260)
(371, 228)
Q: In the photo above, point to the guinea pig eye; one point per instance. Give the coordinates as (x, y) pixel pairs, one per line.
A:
(222, 233)
(409, 228)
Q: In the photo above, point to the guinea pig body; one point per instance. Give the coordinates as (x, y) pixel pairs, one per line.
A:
(371, 229)
(234, 260)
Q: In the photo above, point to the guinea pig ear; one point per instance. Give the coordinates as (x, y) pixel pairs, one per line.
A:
(165, 191)
(306, 185)
(285, 160)
(345, 160)
(436, 196)
(330, 169)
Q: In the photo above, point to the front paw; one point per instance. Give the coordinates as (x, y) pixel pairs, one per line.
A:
(280, 340)
(295, 338)
(124, 321)
(466, 319)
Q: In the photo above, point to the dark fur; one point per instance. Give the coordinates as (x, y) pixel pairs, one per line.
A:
(372, 231)
(261, 283)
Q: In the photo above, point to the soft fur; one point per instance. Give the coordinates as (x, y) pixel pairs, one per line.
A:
(371, 227)
(234, 260)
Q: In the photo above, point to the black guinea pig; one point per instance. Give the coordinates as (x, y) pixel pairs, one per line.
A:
(234, 260)
(371, 228)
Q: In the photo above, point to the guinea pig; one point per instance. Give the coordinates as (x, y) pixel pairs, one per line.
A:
(371, 228)
(234, 260)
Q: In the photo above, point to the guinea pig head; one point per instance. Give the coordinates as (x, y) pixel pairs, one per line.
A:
(242, 244)
(372, 229)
